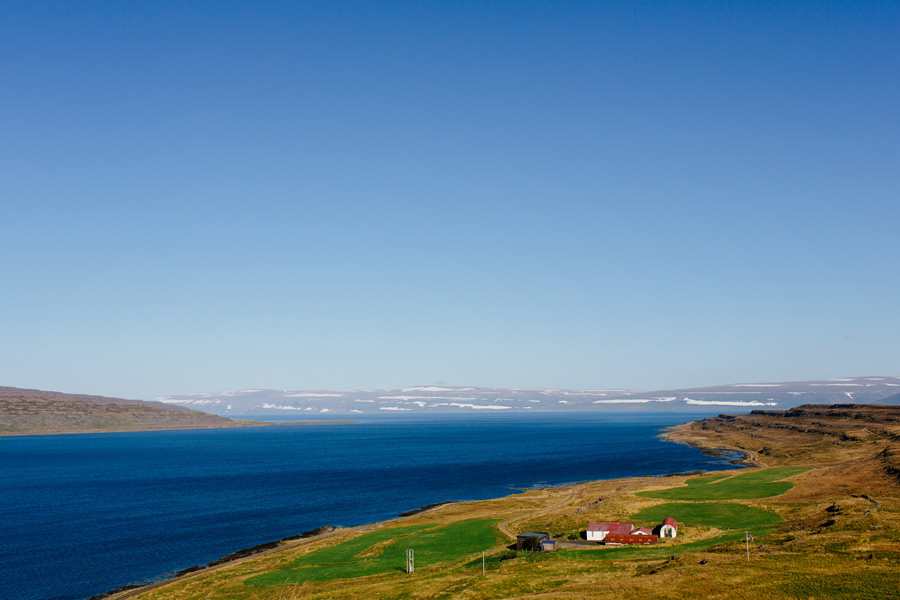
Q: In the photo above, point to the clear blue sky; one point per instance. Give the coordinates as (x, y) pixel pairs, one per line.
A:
(223, 195)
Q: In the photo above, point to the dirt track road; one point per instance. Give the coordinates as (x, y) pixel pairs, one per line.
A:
(505, 525)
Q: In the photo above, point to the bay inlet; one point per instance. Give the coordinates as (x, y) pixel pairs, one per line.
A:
(85, 514)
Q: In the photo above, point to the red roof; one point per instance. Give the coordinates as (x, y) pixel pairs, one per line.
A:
(614, 527)
(641, 531)
(671, 521)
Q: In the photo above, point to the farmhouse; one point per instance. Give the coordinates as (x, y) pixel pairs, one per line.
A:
(625, 533)
(597, 532)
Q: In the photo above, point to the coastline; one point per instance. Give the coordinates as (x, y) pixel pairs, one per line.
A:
(132, 590)
(681, 434)
(137, 589)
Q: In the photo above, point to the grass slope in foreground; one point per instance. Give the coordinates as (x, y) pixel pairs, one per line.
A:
(384, 551)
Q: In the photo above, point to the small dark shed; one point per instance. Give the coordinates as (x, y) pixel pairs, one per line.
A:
(531, 540)
(548, 546)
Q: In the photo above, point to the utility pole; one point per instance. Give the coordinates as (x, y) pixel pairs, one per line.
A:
(410, 560)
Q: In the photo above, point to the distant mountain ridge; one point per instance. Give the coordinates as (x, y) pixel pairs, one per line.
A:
(733, 397)
(25, 392)
(32, 412)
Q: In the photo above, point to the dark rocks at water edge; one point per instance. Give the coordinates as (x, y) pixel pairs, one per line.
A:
(316, 531)
(257, 549)
(410, 513)
(684, 473)
(119, 590)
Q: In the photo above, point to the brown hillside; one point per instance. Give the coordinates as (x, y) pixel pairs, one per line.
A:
(806, 433)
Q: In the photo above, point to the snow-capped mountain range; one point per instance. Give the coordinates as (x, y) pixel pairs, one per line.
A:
(738, 397)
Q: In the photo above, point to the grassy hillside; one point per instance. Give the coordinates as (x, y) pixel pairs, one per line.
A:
(384, 551)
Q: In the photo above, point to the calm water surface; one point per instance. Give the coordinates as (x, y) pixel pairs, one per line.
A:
(83, 514)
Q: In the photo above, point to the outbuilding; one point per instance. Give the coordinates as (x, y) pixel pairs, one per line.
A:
(531, 540)
(669, 528)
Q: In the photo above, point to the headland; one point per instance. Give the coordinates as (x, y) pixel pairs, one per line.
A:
(36, 412)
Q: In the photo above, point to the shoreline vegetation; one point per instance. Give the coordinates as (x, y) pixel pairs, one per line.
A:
(821, 498)
(134, 589)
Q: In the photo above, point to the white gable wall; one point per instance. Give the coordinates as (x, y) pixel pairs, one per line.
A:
(668, 531)
(596, 536)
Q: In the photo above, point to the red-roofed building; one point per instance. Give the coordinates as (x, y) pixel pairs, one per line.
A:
(641, 531)
(597, 532)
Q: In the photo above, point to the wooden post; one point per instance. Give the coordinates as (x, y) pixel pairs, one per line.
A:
(747, 538)
(482, 562)
(410, 560)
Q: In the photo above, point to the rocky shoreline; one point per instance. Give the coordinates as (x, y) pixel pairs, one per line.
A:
(736, 456)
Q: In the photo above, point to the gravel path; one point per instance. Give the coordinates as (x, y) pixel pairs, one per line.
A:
(505, 525)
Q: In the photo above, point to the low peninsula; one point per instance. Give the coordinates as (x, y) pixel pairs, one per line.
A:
(817, 515)
(36, 412)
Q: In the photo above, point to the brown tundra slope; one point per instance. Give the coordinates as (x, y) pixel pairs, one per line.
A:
(809, 433)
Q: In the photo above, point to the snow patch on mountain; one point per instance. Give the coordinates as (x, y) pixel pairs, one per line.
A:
(635, 400)
(728, 402)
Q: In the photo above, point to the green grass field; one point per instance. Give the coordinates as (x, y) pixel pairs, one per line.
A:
(763, 483)
(358, 558)
(722, 515)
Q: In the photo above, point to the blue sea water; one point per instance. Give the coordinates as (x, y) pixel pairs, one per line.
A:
(83, 514)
